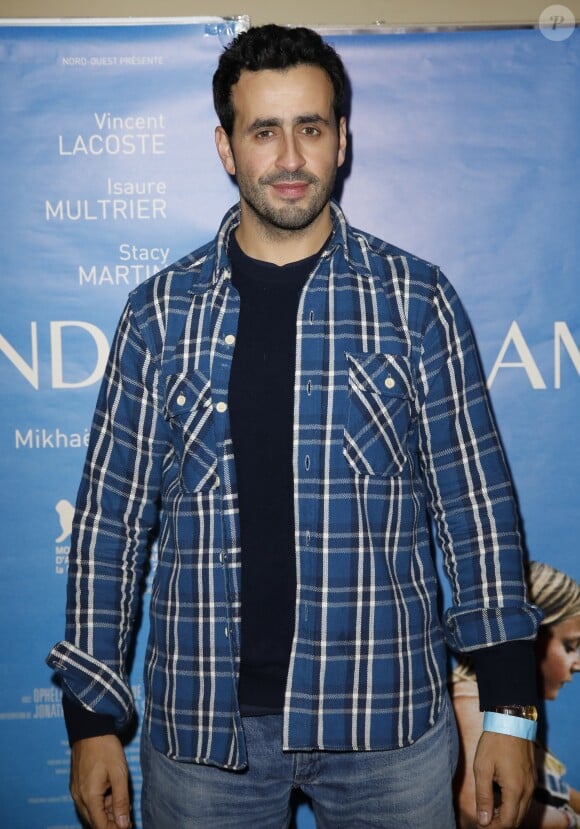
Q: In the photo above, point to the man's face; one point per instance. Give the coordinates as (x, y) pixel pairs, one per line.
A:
(285, 147)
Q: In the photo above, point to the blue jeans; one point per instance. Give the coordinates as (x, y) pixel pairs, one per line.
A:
(407, 787)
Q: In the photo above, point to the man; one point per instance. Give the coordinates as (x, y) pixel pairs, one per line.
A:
(291, 403)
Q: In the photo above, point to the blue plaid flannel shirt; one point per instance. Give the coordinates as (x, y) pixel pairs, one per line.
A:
(392, 428)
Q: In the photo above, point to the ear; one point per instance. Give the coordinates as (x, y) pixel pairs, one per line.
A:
(224, 149)
(342, 141)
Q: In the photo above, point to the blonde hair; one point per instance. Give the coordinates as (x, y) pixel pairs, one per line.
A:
(556, 594)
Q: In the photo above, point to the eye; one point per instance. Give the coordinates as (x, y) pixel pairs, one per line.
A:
(310, 131)
(262, 135)
(572, 646)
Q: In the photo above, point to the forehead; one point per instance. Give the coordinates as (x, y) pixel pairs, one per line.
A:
(569, 628)
(282, 94)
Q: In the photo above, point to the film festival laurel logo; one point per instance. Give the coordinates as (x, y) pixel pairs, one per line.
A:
(65, 511)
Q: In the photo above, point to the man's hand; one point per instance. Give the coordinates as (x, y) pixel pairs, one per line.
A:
(508, 762)
(99, 782)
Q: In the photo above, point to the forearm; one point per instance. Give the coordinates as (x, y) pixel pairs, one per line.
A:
(82, 724)
(116, 509)
(540, 816)
(575, 800)
(469, 488)
(115, 518)
(506, 674)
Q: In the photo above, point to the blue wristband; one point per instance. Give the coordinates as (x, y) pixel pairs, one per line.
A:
(512, 726)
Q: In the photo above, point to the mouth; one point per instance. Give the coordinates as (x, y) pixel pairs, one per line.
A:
(291, 190)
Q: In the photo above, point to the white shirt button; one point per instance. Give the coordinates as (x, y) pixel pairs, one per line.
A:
(390, 383)
(181, 400)
(221, 407)
(230, 339)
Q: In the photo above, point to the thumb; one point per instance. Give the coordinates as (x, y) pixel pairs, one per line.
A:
(120, 800)
(484, 794)
(484, 804)
(484, 811)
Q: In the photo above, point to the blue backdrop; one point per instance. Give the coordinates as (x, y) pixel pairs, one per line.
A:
(465, 150)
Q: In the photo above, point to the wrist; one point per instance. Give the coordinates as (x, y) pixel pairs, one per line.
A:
(571, 817)
(527, 712)
(514, 721)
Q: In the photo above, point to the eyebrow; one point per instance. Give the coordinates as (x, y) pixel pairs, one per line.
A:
(572, 642)
(307, 118)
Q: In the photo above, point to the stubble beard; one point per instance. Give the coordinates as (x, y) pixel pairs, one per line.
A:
(290, 217)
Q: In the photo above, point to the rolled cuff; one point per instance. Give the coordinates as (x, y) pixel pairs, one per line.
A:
(471, 629)
(92, 683)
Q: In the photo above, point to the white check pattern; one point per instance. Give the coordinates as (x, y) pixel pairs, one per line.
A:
(392, 427)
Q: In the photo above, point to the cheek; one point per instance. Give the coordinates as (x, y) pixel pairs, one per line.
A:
(550, 687)
(555, 671)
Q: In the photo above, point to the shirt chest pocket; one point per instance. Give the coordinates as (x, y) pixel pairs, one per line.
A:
(380, 393)
(189, 411)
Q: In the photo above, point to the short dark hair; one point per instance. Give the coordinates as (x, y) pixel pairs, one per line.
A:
(274, 47)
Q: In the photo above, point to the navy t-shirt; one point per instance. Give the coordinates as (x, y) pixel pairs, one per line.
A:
(261, 405)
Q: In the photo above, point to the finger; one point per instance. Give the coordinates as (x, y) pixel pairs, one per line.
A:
(484, 796)
(484, 802)
(120, 800)
(83, 812)
(523, 807)
(87, 807)
(523, 812)
(508, 810)
(513, 803)
(485, 813)
(109, 807)
(79, 805)
(97, 814)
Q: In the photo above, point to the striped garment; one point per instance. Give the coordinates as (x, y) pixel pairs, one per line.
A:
(392, 427)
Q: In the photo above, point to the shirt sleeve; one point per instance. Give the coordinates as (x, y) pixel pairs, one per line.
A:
(115, 520)
(82, 723)
(506, 674)
(469, 488)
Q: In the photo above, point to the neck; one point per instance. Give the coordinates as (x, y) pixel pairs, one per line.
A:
(264, 241)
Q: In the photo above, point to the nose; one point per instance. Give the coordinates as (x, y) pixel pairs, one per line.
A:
(290, 156)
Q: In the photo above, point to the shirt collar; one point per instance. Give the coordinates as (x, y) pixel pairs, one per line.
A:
(217, 268)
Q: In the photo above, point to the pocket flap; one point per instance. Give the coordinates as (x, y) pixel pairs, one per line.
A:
(186, 392)
(383, 374)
